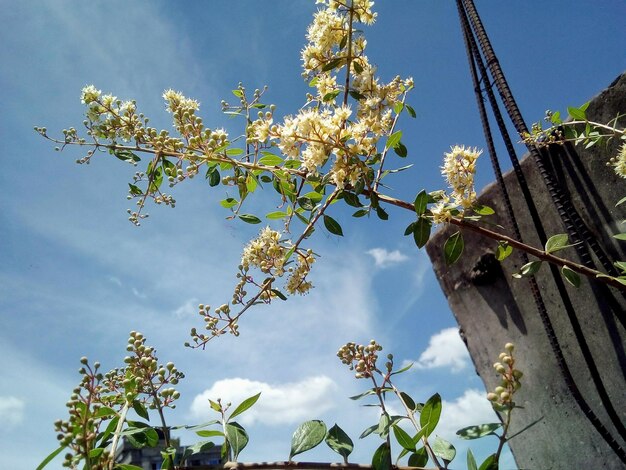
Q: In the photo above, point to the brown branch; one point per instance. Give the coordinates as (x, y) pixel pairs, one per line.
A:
(538, 253)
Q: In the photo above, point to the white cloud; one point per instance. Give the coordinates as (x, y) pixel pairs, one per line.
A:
(469, 409)
(115, 280)
(188, 309)
(279, 404)
(139, 295)
(11, 411)
(445, 349)
(384, 259)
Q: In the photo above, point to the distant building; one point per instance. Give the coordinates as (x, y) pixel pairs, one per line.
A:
(149, 458)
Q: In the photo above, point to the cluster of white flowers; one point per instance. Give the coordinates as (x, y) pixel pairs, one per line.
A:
(111, 118)
(619, 161)
(323, 131)
(459, 167)
(267, 253)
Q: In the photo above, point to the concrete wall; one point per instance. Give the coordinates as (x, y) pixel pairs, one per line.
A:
(502, 308)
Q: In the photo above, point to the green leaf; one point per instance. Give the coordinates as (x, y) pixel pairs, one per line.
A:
(209, 433)
(620, 236)
(141, 410)
(478, 431)
(503, 251)
(213, 176)
(306, 203)
(394, 139)
(490, 463)
(577, 113)
(279, 294)
(314, 196)
(443, 449)
(471, 461)
(429, 417)
(351, 199)
(198, 447)
(269, 159)
(229, 202)
(141, 437)
(382, 458)
(404, 369)
(621, 265)
(104, 411)
(383, 425)
(556, 243)
(356, 95)
(330, 96)
(408, 401)
(571, 276)
(381, 213)
(367, 393)
(332, 225)
(276, 215)
(621, 201)
(410, 228)
(397, 108)
(215, 406)
(308, 435)
(237, 438)
(340, 442)
(251, 183)
(331, 65)
(50, 457)
(483, 210)
(421, 232)
(410, 110)
(358, 68)
(421, 202)
(360, 213)
(403, 439)
(126, 466)
(134, 190)
(156, 176)
(250, 219)
(368, 431)
(125, 156)
(528, 269)
(453, 248)
(244, 405)
(344, 41)
(97, 452)
(400, 150)
(419, 458)
(234, 152)
(238, 93)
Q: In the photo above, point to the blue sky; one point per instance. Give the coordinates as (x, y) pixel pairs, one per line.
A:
(76, 276)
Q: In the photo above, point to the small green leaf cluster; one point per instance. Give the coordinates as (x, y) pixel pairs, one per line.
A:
(234, 435)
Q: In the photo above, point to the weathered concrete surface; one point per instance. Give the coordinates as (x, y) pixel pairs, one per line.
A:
(503, 309)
